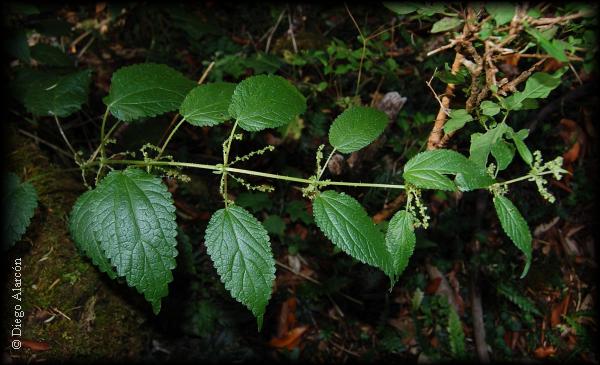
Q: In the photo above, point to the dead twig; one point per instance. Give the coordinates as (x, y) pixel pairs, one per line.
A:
(315, 281)
(40, 140)
(273, 30)
(436, 134)
(512, 85)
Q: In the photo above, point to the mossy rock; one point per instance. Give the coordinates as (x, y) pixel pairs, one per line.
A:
(69, 304)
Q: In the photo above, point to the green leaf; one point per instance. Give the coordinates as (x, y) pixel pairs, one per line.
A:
(400, 240)
(551, 47)
(207, 105)
(254, 201)
(426, 168)
(501, 12)
(489, 108)
(135, 225)
(19, 200)
(503, 153)
(356, 127)
(47, 93)
(346, 223)
(297, 211)
(240, 250)
(265, 101)
(522, 148)
(15, 44)
(450, 78)
(456, 335)
(146, 90)
(445, 24)
(81, 226)
(473, 177)
(429, 9)
(481, 144)
(274, 225)
(402, 8)
(458, 118)
(539, 85)
(515, 227)
(50, 55)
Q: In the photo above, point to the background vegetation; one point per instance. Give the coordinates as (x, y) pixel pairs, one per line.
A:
(326, 306)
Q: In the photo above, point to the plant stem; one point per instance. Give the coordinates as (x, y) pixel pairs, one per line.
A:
(62, 133)
(364, 50)
(326, 163)
(226, 169)
(524, 177)
(102, 137)
(225, 161)
(162, 149)
(112, 129)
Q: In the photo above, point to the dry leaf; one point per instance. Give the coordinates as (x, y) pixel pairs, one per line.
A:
(35, 346)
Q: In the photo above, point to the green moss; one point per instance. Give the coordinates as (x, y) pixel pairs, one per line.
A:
(102, 322)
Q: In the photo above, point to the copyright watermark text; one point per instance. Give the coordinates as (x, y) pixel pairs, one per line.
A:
(19, 314)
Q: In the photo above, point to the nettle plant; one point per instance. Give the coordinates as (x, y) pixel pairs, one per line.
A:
(126, 223)
(127, 226)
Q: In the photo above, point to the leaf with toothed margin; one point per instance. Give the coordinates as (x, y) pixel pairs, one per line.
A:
(515, 227)
(19, 200)
(356, 128)
(265, 101)
(146, 90)
(426, 170)
(207, 105)
(240, 250)
(400, 240)
(81, 227)
(135, 225)
(346, 223)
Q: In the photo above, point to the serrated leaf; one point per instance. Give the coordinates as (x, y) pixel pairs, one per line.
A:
(48, 93)
(481, 144)
(81, 227)
(549, 46)
(515, 227)
(356, 127)
(503, 153)
(346, 223)
(426, 169)
(400, 240)
(501, 12)
(458, 118)
(19, 200)
(446, 23)
(50, 55)
(146, 90)
(240, 250)
(207, 105)
(135, 225)
(473, 177)
(265, 101)
(489, 108)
